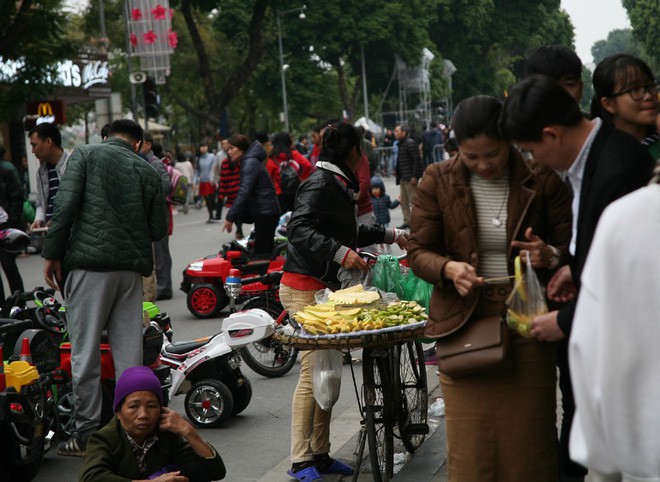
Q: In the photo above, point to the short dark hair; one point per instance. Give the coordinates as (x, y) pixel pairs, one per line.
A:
(157, 149)
(47, 130)
(534, 104)
(261, 136)
(281, 143)
(403, 126)
(104, 131)
(556, 61)
(240, 141)
(623, 69)
(477, 116)
(128, 128)
(147, 137)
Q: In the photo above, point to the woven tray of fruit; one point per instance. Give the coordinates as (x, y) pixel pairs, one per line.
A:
(354, 318)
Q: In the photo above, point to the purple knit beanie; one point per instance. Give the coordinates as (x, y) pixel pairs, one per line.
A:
(136, 379)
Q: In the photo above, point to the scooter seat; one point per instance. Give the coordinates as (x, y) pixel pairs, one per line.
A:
(183, 347)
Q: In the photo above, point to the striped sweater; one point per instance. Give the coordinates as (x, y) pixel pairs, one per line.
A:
(230, 181)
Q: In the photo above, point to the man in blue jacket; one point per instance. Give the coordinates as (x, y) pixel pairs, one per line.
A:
(110, 208)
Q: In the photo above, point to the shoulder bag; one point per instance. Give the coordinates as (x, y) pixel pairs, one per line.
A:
(479, 346)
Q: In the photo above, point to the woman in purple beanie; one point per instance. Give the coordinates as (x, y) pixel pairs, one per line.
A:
(146, 441)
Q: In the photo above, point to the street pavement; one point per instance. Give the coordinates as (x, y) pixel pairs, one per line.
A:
(255, 445)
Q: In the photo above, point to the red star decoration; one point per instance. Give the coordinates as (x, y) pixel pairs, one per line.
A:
(134, 40)
(159, 12)
(136, 14)
(172, 39)
(150, 37)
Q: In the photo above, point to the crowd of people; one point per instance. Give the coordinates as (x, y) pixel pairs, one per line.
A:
(530, 176)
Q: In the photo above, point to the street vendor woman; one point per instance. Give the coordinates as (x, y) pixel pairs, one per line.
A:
(472, 214)
(323, 235)
(146, 440)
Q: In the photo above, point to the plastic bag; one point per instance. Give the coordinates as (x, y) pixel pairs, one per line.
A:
(387, 275)
(326, 378)
(526, 301)
(416, 289)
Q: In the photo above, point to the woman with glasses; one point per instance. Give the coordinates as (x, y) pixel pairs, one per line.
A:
(626, 96)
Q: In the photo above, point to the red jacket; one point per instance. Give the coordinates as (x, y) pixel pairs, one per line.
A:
(273, 168)
(364, 178)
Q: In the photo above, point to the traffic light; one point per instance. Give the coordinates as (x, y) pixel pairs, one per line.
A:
(151, 99)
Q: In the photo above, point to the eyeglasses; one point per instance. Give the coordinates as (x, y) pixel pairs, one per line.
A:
(638, 93)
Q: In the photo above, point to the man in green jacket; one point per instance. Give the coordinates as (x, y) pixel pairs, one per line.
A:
(109, 210)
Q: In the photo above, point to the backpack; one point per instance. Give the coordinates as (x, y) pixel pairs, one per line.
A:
(179, 193)
(289, 177)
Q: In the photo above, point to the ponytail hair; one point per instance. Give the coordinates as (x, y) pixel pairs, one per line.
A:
(339, 140)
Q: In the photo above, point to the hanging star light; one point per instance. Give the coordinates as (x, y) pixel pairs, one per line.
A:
(150, 37)
(159, 12)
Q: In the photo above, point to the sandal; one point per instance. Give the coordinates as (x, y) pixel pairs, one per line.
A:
(338, 467)
(309, 474)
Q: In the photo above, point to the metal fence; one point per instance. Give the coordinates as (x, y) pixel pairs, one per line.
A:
(387, 159)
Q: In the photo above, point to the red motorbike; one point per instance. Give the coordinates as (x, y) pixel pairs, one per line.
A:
(204, 278)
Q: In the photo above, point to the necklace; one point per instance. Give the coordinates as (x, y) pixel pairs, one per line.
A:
(497, 219)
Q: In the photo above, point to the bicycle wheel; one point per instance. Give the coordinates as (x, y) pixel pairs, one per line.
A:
(378, 415)
(410, 380)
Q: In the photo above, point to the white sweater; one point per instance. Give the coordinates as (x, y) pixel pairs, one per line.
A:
(615, 344)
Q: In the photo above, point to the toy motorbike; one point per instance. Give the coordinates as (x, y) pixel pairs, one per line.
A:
(267, 357)
(208, 370)
(27, 409)
(204, 278)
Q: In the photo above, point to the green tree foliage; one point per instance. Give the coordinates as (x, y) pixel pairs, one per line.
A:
(617, 41)
(32, 32)
(487, 40)
(645, 20)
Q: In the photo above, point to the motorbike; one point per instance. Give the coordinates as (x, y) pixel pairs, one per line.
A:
(208, 370)
(204, 278)
(267, 357)
(52, 351)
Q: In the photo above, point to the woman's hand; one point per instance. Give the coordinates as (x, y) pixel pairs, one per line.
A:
(171, 421)
(354, 261)
(463, 275)
(227, 227)
(401, 238)
(539, 252)
(561, 287)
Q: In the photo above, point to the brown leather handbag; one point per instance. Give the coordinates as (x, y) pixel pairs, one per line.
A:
(479, 346)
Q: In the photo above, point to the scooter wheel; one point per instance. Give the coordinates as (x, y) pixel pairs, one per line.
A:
(242, 396)
(209, 403)
(206, 301)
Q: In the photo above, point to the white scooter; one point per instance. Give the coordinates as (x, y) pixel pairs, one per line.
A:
(208, 370)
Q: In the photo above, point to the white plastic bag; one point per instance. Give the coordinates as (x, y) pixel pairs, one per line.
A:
(326, 378)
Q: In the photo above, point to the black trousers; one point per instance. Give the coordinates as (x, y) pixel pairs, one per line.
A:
(567, 468)
(8, 262)
(264, 233)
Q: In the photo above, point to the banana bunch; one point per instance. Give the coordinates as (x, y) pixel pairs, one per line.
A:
(330, 318)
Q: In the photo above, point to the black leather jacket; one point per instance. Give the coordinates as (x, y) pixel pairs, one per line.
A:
(323, 220)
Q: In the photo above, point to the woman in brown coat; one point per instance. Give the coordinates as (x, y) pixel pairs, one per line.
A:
(472, 215)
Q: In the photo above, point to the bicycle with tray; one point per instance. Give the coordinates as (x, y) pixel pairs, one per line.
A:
(393, 399)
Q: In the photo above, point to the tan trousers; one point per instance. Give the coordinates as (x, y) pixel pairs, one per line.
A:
(310, 426)
(149, 283)
(408, 190)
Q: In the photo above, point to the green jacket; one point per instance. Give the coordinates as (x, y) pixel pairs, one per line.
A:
(109, 209)
(109, 457)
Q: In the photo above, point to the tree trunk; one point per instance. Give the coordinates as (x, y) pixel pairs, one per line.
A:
(218, 101)
(343, 89)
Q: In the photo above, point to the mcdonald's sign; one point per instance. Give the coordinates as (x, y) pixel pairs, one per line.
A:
(45, 111)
